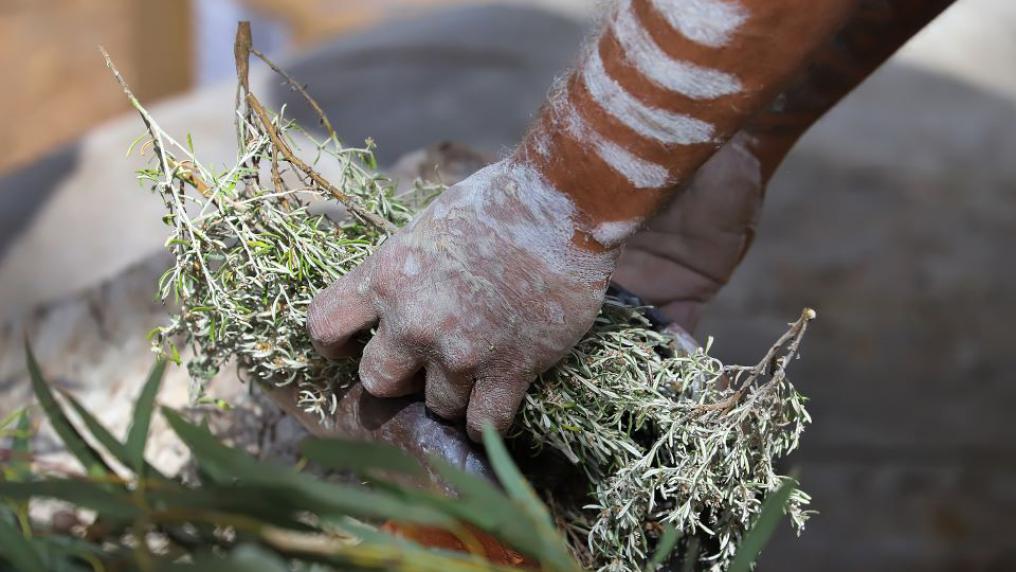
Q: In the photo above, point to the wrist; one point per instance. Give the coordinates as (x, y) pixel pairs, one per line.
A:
(520, 206)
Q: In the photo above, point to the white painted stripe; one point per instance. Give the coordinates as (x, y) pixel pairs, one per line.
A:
(661, 125)
(640, 173)
(611, 234)
(687, 79)
(707, 22)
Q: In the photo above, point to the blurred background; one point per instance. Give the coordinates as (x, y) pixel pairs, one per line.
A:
(895, 218)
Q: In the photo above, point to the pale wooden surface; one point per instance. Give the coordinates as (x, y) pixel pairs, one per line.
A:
(56, 83)
(57, 87)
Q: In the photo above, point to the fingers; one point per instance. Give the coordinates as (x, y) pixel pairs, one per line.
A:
(495, 399)
(388, 366)
(337, 313)
(447, 392)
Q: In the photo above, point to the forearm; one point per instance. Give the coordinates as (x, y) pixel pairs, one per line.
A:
(875, 31)
(665, 84)
(690, 249)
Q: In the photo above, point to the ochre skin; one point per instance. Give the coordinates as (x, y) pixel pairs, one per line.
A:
(875, 31)
(690, 249)
(493, 282)
(753, 54)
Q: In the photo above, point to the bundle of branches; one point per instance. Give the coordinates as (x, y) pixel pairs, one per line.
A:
(664, 437)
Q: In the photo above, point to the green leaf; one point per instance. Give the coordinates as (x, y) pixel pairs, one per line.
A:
(10, 419)
(90, 459)
(511, 479)
(359, 456)
(553, 553)
(18, 551)
(482, 504)
(137, 435)
(20, 467)
(225, 465)
(691, 554)
(67, 553)
(245, 558)
(84, 493)
(103, 436)
(664, 546)
(174, 353)
(762, 530)
(222, 464)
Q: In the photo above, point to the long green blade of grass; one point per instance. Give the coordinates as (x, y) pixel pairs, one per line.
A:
(20, 467)
(226, 465)
(762, 530)
(553, 552)
(359, 456)
(137, 435)
(85, 493)
(104, 437)
(88, 457)
(664, 546)
(18, 550)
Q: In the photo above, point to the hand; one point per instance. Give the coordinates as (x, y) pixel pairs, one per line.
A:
(690, 249)
(484, 290)
(402, 423)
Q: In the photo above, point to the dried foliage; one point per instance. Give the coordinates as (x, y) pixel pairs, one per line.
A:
(664, 438)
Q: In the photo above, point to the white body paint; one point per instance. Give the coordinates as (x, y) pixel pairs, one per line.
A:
(657, 124)
(412, 266)
(613, 234)
(687, 79)
(706, 22)
(544, 230)
(640, 173)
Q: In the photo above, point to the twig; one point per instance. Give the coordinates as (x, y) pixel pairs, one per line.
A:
(291, 157)
(301, 90)
(160, 149)
(793, 336)
(241, 52)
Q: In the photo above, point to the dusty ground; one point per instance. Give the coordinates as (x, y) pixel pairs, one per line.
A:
(894, 218)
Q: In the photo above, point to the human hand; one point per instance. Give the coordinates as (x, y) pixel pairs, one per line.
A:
(484, 290)
(692, 247)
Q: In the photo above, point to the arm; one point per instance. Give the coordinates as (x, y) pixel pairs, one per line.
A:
(690, 249)
(493, 282)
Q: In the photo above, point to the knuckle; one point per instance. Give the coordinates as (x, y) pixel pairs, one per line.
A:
(501, 422)
(415, 333)
(462, 363)
(444, 405)
(463, 353)
(374, 375)
(378, 382)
